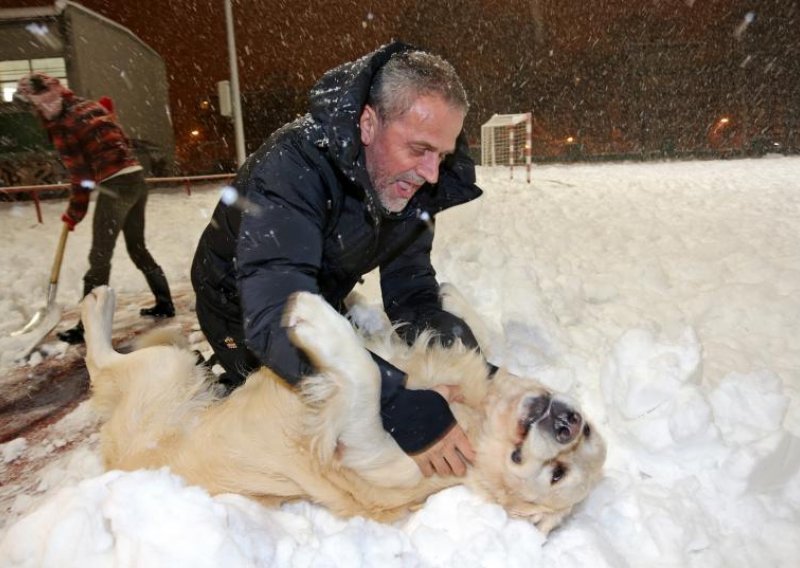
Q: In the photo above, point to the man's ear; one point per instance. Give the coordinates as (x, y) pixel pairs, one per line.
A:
(368, 124)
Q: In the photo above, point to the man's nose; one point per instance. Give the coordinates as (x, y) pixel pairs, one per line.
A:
(428, 167)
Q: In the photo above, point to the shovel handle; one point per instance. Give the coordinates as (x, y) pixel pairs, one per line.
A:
(62, 243)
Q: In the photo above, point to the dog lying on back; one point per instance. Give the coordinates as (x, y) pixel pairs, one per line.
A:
(323, 440)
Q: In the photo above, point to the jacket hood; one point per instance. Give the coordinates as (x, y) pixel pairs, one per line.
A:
(336, 102)
(337, 99)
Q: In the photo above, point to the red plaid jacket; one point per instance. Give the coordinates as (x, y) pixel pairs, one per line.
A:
(92, 147)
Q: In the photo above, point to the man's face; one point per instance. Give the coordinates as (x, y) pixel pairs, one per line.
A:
(404, 153)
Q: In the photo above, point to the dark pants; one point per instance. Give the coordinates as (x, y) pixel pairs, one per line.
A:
(226, 337)
(120, 207)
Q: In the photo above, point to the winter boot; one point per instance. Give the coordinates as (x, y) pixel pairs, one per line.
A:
(160, 288)
(160, 310)
(73, 336)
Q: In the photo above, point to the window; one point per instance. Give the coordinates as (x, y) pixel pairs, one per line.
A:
(12, 71)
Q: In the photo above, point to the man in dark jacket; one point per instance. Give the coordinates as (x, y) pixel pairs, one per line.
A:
(352, 186)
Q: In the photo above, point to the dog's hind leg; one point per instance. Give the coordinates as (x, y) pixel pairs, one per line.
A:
(97, 314)
(345, 395)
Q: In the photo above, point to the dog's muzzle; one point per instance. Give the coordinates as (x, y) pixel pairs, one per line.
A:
(552, 417)
(561, 421)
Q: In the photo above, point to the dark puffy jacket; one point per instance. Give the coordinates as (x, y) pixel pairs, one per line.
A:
(307, 219)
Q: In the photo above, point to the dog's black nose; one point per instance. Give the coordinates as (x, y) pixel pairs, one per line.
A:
(564, 422)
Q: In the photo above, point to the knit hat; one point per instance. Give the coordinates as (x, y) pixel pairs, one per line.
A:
(43, 92)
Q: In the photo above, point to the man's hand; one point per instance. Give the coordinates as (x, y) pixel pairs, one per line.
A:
(451, 454)
(78, 205)
(448, 456)
(69, 221)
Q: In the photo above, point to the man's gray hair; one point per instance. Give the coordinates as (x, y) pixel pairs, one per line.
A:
(409, 75)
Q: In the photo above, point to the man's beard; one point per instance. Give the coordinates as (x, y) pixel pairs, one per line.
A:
(388, 199)
(391, 204)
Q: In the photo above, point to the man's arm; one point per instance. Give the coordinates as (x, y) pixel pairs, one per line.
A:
(67, 138)
(411, 296)
(279, 252)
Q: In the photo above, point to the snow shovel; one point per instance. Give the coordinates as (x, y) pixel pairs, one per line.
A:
(46, 318)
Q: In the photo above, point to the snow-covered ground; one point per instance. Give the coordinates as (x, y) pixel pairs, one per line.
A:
(664, 296)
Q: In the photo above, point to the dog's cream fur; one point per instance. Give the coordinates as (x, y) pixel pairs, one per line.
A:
(324, 440)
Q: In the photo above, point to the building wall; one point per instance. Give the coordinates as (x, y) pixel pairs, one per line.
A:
(104, 59)
(17, 42)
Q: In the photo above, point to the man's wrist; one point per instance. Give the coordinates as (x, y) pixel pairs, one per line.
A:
(416, 419)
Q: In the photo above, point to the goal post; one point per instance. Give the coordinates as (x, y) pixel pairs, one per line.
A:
(506, 141)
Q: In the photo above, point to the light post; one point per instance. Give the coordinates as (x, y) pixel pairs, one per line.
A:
(236, 104)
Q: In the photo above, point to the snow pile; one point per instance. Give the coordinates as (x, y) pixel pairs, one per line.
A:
(663, 296)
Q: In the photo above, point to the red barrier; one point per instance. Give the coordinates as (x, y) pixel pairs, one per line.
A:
(34, 190)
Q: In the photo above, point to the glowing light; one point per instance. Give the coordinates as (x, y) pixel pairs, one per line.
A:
(570, 140)
(195, 133)
(724, 120)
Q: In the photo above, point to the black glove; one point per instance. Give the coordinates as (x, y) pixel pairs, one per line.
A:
(448, 327)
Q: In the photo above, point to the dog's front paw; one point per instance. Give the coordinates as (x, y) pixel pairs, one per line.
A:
(305, 309)
(316, 328)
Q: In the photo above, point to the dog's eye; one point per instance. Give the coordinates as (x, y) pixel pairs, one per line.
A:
(516, 456)
(559, 471)
(586, 431)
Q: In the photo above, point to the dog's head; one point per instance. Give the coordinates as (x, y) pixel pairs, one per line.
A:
(537, 454)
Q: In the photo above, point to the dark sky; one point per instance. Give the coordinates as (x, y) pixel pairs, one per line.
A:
(497, 46)
(295, 38)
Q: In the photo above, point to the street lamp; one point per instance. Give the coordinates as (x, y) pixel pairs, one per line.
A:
(236, 106)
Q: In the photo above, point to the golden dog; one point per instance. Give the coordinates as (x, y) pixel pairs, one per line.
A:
(323, 440)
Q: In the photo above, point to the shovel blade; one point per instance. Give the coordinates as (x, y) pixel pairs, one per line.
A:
(19, 346)
(37, 319)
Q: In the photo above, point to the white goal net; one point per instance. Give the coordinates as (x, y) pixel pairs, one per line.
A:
(506, 141)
